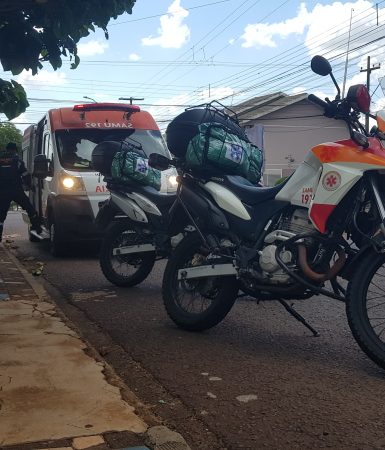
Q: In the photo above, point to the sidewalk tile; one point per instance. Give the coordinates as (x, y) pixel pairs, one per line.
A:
(81, 443)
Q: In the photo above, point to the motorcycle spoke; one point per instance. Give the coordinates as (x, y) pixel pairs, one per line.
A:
(379, 318)
(374, 306)
(190, 296)
(379, 334)
(375, 300)
(378, 287)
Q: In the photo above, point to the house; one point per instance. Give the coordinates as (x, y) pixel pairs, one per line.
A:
(286, 126)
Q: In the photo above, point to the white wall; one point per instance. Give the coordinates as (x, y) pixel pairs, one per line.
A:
(289, 134)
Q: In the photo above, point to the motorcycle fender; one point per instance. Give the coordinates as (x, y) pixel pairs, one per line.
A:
(204, 211)
(106, 214)
(129, 207)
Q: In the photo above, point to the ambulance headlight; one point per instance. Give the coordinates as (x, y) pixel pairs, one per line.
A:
(71, 184)
(68, 182)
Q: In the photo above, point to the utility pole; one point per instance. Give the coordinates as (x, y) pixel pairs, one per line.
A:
(347, 54)
(368, 71)
(130, 98)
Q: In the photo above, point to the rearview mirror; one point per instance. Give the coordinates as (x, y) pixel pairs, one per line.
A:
(320, 66)
(160, 162)
(380, 118)
(40, 166)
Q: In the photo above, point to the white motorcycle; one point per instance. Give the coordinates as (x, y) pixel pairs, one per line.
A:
(325, 224)
(138, 223)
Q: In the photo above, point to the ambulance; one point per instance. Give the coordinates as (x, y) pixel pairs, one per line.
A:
(57, 152)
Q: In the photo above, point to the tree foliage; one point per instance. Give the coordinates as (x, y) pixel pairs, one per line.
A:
(9, 133)
(34, 31)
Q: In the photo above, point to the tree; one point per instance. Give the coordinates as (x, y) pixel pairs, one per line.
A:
(9, 133)
(34, 31)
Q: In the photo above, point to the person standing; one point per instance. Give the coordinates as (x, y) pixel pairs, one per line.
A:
(13, 174)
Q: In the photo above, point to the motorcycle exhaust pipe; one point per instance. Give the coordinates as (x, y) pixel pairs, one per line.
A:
(212, 270)
(309, 272)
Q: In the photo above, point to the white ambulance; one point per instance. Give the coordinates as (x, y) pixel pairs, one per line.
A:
(57, 151)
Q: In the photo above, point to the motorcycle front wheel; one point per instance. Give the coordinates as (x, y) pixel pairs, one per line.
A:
(365, 306)
(195, 304)
(125, 270)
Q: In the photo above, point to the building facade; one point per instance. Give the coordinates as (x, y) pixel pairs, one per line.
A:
(287, 126)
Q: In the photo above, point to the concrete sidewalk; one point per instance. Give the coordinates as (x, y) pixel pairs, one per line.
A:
(52, 394)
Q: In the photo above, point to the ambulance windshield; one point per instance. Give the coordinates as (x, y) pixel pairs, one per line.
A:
(75, 145)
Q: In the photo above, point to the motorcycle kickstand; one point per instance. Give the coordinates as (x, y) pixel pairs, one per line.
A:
(297, 316)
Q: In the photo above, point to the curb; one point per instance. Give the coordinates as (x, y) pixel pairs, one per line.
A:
(157, 437)
(37, 287)
(162, 438)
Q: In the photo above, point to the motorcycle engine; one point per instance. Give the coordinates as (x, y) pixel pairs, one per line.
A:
(291, 225)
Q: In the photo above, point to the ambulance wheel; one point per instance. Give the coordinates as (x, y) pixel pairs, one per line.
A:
(56, 244)
(124, 270)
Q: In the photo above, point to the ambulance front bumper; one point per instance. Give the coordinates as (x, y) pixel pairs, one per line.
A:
(74, 217)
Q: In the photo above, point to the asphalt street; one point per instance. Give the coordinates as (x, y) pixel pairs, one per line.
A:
(257, 380)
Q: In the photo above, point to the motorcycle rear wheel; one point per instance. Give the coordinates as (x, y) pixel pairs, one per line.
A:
(124, 270)
(219, 293)
(365, 306)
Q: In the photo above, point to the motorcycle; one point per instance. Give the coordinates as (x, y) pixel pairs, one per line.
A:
(320, 230)
(138, 223)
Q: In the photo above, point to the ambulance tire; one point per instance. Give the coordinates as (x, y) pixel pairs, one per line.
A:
(141, 269)
(56, 244)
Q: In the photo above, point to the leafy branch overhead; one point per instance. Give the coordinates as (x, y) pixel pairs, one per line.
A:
(34, 31)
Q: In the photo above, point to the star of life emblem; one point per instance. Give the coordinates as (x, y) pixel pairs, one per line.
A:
(234, 152)
(142, 166)
(331, 181)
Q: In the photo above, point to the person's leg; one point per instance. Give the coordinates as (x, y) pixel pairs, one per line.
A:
(5, 201)
(21, 199)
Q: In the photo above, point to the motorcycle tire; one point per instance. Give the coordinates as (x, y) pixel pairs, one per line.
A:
(226, 290)
(357, 308)
(143, 262)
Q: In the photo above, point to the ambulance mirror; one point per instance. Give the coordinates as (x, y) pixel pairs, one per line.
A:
(40, 166)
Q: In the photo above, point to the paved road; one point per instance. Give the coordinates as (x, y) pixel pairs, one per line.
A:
(258, 380)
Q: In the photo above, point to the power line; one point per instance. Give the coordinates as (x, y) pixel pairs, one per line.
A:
(167, 13)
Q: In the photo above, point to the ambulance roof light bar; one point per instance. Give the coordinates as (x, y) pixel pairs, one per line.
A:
(106, 107)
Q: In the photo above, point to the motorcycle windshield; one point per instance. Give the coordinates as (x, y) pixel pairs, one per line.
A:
(75, 146)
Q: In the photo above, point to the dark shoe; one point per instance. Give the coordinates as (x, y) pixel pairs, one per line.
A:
(1, 232)
(35, 224)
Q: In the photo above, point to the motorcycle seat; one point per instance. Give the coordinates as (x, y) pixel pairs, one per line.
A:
(160, 199)
(249, 193)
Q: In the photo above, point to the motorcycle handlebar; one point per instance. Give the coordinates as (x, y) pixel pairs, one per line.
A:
(318, 101)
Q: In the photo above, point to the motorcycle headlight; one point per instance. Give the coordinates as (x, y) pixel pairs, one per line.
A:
(172, 183)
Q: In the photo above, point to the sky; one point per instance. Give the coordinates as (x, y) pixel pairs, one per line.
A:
(179, 53)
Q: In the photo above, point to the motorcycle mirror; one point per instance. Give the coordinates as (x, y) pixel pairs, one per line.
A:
(320, 66)
(160, 162)
(40, 166)
(360, 139)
